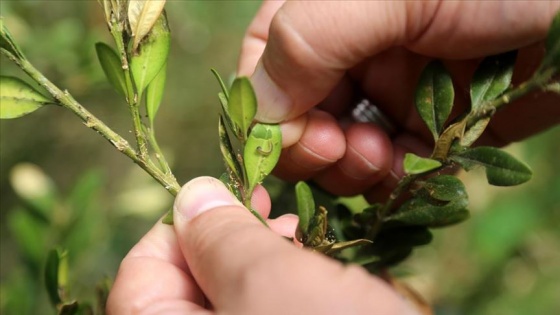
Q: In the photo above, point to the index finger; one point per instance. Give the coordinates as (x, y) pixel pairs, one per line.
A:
(311, 44)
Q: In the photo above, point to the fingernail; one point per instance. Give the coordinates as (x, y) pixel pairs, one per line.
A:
(274, 104)
(200, 195)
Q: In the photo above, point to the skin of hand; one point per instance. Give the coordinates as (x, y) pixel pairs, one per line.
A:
(309, 60)
(219, 259)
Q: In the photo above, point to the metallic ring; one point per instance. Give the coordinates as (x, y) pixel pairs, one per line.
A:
(365, 111)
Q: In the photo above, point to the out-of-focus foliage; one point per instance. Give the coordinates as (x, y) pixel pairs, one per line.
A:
(503, 260)
(102, 203)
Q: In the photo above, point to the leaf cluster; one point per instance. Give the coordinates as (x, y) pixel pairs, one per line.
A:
(426, 197)
(257, 145)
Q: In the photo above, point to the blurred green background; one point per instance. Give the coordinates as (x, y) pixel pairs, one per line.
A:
(63, 186)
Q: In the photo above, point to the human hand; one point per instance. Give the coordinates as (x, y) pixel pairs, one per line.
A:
(218, 258)
(321, 55)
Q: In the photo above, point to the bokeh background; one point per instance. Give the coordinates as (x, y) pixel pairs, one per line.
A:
(63, 186)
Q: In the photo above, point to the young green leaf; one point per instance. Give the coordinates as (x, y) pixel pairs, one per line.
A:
(552, 44)
(151, 56)
(154, 93)
(112, 66)
(228, 154)
(56, 270)
(7, 42)
(261, 152)
(242, 105)
(305, 206)
(18, 98)
(222, 84)
(227, 117)
(502, 169)
(492, 78)
(434, 96)
(142, 15)
(168, 218)
(413, 164)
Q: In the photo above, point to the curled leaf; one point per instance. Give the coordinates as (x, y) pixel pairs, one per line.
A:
(413, 164)
(502, 169)
(334, 248)
(242, 106)
(112, 67)
(474, 132)
(152, 55)
(142, 15)
(261, 152)
(18, 98)
(445, 141)
(492, 78)
(434, 96)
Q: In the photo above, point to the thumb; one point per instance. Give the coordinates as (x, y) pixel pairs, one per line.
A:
(244, 268)
(220, 239)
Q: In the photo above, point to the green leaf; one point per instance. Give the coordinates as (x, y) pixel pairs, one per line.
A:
(418, 211)
(154, 94)
(112, 67)
(261, 152)
(502, 169)
(53, 274)
(151, 56)
(552, 44)
(413, 164)
(142, 16)
(222, 84)
(224, 103)
(228, 154)
(18, 98)
(434, 96)
(242, 105)
(7, 42)
(168, 218)
(441, 201)
(492, 78)
(305, 206)
(443, 188)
